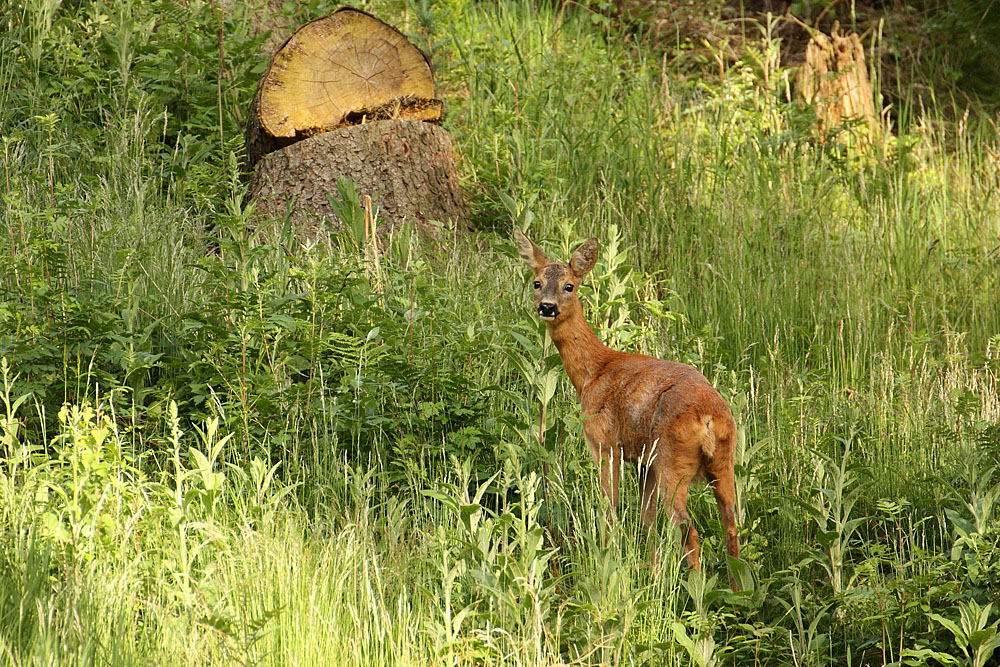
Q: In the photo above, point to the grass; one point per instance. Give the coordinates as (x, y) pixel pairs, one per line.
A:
(274, 460)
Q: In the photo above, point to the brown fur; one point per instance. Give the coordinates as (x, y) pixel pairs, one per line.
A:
(661, 414)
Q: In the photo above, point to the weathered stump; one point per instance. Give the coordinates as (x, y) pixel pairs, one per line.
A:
(406, 166)
(834, 77)
(347, 96)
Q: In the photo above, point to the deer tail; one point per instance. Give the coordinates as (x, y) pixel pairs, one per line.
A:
(708, 440)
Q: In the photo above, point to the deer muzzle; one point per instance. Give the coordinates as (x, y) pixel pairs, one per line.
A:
(547, 310)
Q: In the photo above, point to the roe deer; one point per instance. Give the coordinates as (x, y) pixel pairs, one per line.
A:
(660, 414)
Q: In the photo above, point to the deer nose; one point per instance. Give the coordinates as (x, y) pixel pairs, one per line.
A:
(547, 309)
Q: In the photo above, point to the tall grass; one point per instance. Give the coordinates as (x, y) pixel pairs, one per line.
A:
(274, 460)
(838, 293)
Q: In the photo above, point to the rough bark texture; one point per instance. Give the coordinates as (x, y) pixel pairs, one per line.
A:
(408, 168)
(338, 70)
(834, 77)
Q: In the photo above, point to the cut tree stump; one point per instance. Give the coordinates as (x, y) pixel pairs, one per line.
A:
(406, 166)
(339, 70)
(834, 77)
(347, 96)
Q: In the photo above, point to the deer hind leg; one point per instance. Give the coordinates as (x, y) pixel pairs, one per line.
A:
(721, 477)
(677, 490)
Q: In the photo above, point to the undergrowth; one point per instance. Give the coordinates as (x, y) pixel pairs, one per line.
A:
(222, 445)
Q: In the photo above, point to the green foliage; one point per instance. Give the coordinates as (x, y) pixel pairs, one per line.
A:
(221, 446)
(974, 635)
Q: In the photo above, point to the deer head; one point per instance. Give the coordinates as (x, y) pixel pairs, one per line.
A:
(556, 284)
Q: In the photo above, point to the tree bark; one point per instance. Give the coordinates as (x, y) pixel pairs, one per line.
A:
(407, 167)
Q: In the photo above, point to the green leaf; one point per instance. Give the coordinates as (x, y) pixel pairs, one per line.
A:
(826, 538)
(680, 634)
(986, 650)
(740, 571)
(923, 657)
(949, 625)
(466, 512)
(981, 637)
(443, 498)
(284, 321)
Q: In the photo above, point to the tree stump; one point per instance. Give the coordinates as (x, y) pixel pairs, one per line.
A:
(347, 96)
(834, 77)
(406, 166)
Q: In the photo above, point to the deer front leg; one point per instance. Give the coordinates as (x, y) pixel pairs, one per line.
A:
(611, 472)
(606, 456)
(650, 506)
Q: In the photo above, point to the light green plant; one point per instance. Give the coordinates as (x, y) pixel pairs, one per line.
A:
(808, 643)
(502, 561)
(700, 649)
(973, 635)
(838, 487)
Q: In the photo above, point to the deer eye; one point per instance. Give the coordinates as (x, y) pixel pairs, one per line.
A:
(568, 287)
(538, 285)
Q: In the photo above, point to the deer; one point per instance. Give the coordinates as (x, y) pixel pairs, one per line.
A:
(662, 415)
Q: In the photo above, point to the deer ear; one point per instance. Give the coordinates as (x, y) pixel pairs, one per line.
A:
(584, 257)
(530, 253)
